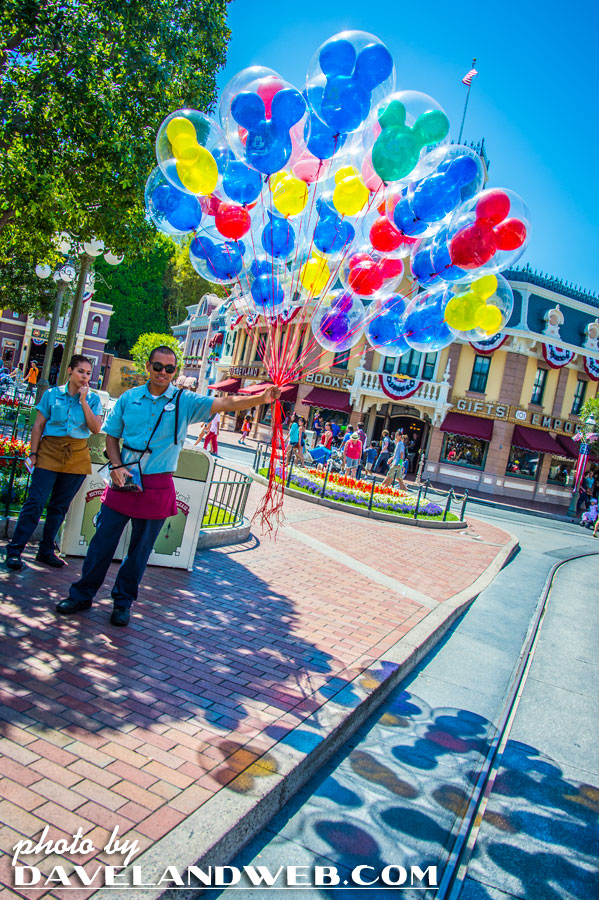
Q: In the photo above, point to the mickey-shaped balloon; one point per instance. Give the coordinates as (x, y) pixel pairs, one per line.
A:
(222, 262)
(475, 244)
(241, 183)
(351, 194)
(350, 77)
(434, 197)
(339, 322)
(321, 140)
(331, 233)
(385, 331)
(397, 149)
(268, 143)
(278, 237)
(267, 293)
(366, 273)
(289, 194)
(232, 220)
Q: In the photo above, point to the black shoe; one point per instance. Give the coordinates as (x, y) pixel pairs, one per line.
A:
(120, 616)
(14, 561)
(69, 606)
(51, 559)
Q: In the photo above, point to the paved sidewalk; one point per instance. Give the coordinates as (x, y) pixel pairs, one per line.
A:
(191, 726)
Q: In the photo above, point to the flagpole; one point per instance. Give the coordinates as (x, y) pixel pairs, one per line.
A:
(466, 106)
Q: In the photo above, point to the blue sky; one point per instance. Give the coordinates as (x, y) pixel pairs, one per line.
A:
(534, 102)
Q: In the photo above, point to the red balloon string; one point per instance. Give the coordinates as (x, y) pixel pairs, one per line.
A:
(270, 513)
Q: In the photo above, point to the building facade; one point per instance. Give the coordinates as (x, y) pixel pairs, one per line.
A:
(24, 339)
(496, 417)
(201, 335)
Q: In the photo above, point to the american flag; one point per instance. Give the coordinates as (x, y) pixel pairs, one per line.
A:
(581, 464)
(467, 79)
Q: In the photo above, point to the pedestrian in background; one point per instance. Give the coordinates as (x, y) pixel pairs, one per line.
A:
(352, 453)
(31, 377)
(66, 416)
(396, 469)
(212, 435)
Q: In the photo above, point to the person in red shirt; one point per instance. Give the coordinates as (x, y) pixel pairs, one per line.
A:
(352, 453)
(327, 437)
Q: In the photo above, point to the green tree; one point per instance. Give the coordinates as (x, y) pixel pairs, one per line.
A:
(136, 291)
(183, 286)
(83, 88)
(140, 351)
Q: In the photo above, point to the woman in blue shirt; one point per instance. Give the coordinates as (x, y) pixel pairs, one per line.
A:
(66, 416)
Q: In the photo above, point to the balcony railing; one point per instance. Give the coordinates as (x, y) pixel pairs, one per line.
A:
(430, 393)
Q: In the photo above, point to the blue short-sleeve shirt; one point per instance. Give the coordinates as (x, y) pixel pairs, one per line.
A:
(64, 413)
(135, 414)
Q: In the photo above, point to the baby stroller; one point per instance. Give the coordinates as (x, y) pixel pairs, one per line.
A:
(321, 456)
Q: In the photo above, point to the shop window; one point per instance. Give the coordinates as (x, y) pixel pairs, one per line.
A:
(538, 388)
(561, 471)
(96, 322)
(579, 393)
(241, 357)
(464, 451)
(265, 414)
(524, 463)
(340, 360)
(259, 349)
(480, 374)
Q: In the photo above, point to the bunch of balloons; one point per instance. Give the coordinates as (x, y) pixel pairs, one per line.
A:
(346, 198)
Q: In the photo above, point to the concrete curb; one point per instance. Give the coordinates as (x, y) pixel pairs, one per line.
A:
(209, 538)
(365, 513)
(216, 832)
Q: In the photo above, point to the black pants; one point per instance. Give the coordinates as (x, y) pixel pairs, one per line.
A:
(60, 487)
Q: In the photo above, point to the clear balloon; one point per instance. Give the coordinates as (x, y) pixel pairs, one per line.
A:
(217, 260)
(426, 329)
(489, 232)
(411, 126)
(481, 309)
(366, 272)
(386, 330)
(338, 323)
(192, 151)
(349, 74)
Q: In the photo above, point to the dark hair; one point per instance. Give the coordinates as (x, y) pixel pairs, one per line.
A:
(360, 424)
(77, 359)
(163, 349)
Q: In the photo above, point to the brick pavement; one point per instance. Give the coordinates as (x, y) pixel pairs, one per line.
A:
(140, 727)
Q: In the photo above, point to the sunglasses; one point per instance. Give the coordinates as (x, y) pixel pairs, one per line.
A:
(158, 367)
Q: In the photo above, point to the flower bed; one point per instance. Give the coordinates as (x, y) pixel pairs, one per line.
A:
(344, 489)
(13, 447)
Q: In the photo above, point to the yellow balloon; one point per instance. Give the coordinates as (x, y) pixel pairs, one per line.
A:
(351, 194)
(489, 318)
(179, 126)
(202, 176)
(484, 287)
(314, 275)
(461, 311)
(289, 194)
(185, 148)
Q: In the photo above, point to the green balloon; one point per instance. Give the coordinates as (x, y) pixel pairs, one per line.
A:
(432, 126)
(397, 149)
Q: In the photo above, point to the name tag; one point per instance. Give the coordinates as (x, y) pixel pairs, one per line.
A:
(169, 407)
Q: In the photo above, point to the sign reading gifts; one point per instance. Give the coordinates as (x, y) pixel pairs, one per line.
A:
(492, 410)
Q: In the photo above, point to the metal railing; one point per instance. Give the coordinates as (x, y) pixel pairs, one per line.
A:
(227, 498)
(15, 420)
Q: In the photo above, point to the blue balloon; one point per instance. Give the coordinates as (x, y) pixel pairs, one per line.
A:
(426, 329)
(350, 80)
(441, 260)
(224, 261)
(268, 143)
(242, 184)
(321, 140)
(423, 268)
(267, 293)
(386, 332)
(181, 211)
(436, 196)
(278, 237)
(331, 233)
(406, 221)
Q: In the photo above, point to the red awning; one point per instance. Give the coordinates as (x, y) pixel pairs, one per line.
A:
(323, 398)
(468, 426)
(534, 439)
(289, 392)
(572, 447)
(230, 385)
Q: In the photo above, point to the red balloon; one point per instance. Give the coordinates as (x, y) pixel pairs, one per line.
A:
(391, 268)
(365, 276)
(472, 246)
(232, 221)
(384, 237)
(494, 207)
(510, 234)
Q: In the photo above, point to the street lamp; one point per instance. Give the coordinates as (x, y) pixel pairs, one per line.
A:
(89, 250)
(63, 276)
(586, 436)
